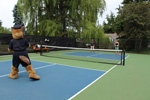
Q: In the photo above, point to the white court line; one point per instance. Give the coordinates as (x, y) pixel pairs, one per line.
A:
(105, 58)
(11, 59)
(60, 64)
(5, 61)
(70, 66)
(53, 65)
(95, 55)
(126, 57)
(11, 55)
(5, 55)
(33, 68)
(75, 67)
(93, 82)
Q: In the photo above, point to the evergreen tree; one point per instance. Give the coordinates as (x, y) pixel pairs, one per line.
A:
(109, 25)
(17, 18)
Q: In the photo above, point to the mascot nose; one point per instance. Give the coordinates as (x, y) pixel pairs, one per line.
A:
(17, 34)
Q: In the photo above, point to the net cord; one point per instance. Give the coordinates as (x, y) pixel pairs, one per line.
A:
(73, 48)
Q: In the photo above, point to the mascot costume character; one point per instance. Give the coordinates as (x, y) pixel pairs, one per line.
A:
(20, 56)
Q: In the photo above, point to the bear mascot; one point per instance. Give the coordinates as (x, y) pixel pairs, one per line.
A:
(20, 56)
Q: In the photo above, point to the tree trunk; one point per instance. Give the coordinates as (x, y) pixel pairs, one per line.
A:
(62, 17)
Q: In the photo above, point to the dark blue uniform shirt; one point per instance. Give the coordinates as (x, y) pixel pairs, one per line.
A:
(18, 44)
(19, 47)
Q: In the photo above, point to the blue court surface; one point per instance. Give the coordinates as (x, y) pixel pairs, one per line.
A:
(95, 55)
(58, 82)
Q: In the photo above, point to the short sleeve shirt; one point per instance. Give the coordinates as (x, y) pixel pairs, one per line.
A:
(18, 44)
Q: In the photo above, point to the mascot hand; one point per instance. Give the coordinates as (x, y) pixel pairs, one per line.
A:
(9, 50)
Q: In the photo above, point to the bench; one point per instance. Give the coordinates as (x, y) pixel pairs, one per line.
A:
(38, 49)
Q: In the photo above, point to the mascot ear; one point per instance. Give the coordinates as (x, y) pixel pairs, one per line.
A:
(12, 28)
(23, 28)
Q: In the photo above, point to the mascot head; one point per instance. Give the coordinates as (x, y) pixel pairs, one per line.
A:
(18, 31)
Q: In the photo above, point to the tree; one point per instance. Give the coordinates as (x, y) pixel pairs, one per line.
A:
(17, 18)
(59, 17)
(3, 29)
(134, 22)
(95, 32)
(134, 1)
(109, 25)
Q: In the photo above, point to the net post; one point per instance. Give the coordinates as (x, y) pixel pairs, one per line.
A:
(123, 57)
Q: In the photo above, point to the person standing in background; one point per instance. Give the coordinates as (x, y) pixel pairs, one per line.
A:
(116, 46)
(92, 45)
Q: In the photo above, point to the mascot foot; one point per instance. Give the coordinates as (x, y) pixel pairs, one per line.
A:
(32, 73)
(14, 73)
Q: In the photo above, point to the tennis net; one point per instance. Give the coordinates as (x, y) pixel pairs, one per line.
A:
(108, 56)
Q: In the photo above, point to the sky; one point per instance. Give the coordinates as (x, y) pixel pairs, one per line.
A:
(111, 6)
(6, 14)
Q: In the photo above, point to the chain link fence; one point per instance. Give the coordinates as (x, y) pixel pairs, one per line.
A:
(130, 45)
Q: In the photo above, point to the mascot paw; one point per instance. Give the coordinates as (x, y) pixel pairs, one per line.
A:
(13, 76)
(32, 73)
(14, 73)
(34, 76)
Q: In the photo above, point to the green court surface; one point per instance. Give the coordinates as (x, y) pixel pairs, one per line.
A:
(129, 82)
